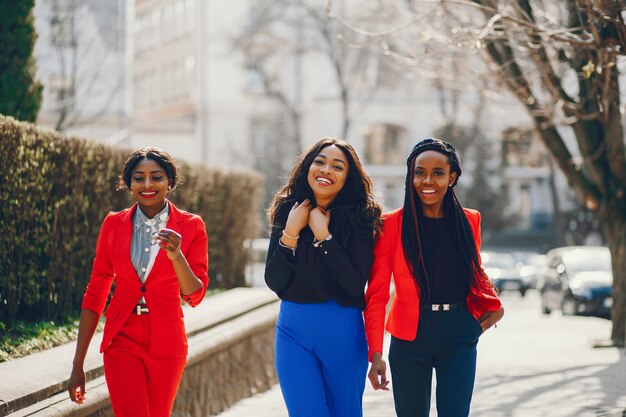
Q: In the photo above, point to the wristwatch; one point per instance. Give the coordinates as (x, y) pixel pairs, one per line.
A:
(318, 243)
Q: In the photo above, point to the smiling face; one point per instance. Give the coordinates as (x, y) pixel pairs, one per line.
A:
(431, 179)
(327, 174)
(149, 186)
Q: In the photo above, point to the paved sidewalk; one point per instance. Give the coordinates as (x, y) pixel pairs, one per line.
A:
(37, 381)
(530, 366)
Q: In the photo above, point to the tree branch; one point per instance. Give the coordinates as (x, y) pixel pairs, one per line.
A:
(552, 81)
(502, 55)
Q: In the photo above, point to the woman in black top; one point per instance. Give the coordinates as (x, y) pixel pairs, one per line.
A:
(321, 251)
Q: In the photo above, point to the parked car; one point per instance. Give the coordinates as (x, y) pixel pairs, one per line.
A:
(578, 280)
(531, 266)
(501, 268)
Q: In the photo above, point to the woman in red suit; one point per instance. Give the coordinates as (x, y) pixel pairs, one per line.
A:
(443, 300)
(156, 253)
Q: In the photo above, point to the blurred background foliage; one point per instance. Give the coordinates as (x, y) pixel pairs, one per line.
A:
(20, 91)
(54, 193)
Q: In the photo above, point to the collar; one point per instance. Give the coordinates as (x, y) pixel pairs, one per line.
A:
(158, 221)
(176, 216)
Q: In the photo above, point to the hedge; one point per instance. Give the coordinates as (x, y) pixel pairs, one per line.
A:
(54, 193)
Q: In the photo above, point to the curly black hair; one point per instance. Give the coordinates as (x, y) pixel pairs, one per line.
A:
(356, 191)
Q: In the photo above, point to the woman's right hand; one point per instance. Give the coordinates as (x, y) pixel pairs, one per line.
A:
(76, 385)
(298, 218)
(378, 373)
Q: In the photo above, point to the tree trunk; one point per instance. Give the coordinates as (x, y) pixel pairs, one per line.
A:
(296, 120)
(615, 231)
(559, 224)
(345, 111)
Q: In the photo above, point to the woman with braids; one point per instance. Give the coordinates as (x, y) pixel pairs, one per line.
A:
(443, 300)
(319, 259)
(156, 254)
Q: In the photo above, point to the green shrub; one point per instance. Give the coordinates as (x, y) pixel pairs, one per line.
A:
(20, 91)
(54, 193)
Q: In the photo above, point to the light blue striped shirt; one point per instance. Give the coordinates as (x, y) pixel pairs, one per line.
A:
(143, 248)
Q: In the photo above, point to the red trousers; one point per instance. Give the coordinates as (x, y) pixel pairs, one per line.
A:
(140, 385)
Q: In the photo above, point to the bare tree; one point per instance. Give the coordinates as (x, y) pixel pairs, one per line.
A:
(281, 35)
(564, 62)
(263, 46)
(83, 50)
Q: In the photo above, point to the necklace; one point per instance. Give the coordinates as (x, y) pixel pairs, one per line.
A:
(154, 225)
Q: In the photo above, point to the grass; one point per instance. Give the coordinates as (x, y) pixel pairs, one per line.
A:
(25, 338)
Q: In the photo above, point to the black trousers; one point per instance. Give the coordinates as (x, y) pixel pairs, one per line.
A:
(446, 341)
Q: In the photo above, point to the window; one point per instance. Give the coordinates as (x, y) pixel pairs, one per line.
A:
(254, 80)
(383, 144)
(61, 91)
(167, 23)
(190, 14)
(386, 75)
(62, 27)
(393, 196)
(179, 18)
(259, 132)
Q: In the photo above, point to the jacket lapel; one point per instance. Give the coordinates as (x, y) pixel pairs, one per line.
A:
(125, 237)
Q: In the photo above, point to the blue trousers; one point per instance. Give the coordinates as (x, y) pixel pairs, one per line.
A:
(321, 359)
(446, 341)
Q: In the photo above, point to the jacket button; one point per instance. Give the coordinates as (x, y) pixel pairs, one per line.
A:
(143, 289)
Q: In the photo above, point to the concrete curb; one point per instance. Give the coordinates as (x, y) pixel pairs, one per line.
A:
(35, 385)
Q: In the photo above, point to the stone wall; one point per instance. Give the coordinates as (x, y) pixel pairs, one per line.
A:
(214, 384)
(231, 357)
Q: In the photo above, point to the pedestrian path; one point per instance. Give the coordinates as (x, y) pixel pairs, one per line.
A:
(532, 365)
(270, 404)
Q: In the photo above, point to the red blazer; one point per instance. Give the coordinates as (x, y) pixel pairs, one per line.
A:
(161, 289)
(404, 313)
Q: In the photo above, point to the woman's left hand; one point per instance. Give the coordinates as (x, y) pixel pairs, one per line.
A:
(169, 241)
(319, 219)
(490, 318)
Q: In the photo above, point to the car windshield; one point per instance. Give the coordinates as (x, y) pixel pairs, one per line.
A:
(497, 260)
(587, 259)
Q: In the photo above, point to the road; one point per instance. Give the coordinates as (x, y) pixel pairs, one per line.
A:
(530, 366)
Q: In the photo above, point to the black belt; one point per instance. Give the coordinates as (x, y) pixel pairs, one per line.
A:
(442, 307)
(140, 309)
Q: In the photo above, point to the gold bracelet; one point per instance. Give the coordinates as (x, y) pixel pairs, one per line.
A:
(291, 237)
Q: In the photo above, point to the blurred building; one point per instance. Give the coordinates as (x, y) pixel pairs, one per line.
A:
(527, 173)
(540, 205)
(216, 84)
(80, 53)
(233, 84)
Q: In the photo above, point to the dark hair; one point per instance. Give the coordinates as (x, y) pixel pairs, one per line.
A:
(357, 189)
(415, 252)
(155, 154)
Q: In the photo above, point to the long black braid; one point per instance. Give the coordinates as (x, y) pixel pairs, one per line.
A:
(415, 251)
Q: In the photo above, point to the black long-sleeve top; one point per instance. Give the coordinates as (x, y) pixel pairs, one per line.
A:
(449, 282)
(336, 270)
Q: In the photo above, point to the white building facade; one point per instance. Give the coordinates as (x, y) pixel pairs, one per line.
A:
(80, 53)
(193, 77)
(197, 94)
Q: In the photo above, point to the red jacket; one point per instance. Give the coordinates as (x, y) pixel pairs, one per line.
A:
(404, 313)
(161, 289)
